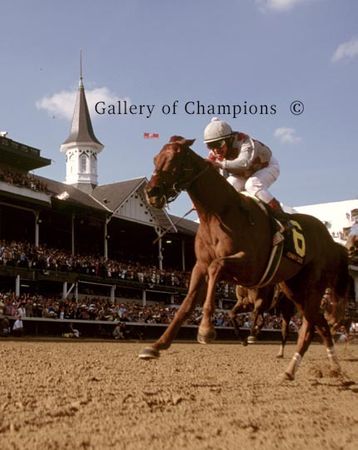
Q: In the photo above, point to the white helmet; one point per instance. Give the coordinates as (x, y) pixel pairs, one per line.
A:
(216, 130)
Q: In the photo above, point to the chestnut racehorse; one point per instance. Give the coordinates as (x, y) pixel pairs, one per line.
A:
(234, 243)
(263, 300)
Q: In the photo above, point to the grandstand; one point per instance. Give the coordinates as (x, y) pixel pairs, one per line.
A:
(82, 241)
(59, 240)
(114, 222)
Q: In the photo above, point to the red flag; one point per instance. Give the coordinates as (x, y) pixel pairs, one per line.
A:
(151, 135)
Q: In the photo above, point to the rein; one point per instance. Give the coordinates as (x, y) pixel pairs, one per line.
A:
(198, 175)
(179, 187)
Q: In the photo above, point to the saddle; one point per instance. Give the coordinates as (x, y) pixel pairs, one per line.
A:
(287, 238)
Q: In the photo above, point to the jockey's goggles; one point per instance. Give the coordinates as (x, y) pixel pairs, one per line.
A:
(216, 144)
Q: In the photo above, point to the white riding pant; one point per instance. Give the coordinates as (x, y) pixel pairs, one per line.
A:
(259, 182)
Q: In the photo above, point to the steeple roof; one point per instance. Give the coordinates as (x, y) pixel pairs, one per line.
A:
(81, 128)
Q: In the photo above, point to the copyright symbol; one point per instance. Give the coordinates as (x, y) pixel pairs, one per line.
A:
(297, 107)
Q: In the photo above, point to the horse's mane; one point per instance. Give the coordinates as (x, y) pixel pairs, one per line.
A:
(221, 187)
(218, 179)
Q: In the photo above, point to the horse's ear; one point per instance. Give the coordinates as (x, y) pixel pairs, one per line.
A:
(179, 139)
(189, 142)
(182, 141)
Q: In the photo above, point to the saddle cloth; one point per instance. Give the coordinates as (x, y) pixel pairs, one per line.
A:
(294, 244)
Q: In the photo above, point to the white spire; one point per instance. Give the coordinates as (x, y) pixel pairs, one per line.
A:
(81, 147)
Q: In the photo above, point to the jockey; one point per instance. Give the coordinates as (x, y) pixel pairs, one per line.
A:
(247, 164)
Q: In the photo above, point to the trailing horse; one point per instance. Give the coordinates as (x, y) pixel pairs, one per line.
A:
(263, 300)
(234, 243)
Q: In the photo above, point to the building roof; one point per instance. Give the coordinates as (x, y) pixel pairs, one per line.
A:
(337, 216)
(81, 128)
(70, 195)
(114, 194)
(21, 156)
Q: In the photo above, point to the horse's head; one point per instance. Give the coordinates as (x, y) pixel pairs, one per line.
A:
(172, 172)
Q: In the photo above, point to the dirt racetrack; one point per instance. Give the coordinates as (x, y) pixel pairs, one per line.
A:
(99, 395)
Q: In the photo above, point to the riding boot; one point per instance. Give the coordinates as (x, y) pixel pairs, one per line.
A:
(279, 213)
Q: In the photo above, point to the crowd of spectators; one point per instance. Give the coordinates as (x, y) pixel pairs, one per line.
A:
(22, 179)
(270, 322)
(103, 309)
(22, 254)
(92, 308)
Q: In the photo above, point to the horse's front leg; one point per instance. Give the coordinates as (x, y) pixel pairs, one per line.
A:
(235, 325)
(233, 314)
(196, 293)
(255, 329)
(284, 336)
(287, 311)
(206, 331)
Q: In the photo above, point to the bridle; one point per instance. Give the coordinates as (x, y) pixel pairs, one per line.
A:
(184, 182)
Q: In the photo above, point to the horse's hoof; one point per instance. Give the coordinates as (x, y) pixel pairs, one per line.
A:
(149, 353)
(283, 378)
(251, 340)
(206, 338)
(244, 343)
(335, 373)
(287, 377)
(279, 356)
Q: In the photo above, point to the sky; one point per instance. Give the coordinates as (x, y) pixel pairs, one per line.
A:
(172, 56)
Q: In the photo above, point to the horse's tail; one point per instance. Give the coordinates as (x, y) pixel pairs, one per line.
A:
(336, 296)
